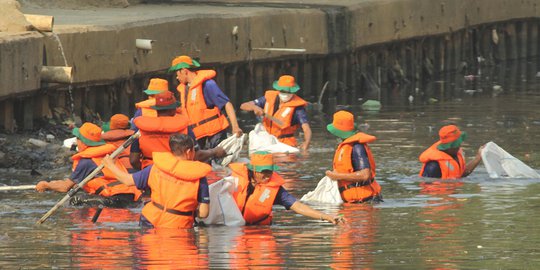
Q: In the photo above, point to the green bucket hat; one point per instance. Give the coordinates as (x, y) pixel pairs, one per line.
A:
(183, 61)
(165, 101)
(262, 161)
(286, 84)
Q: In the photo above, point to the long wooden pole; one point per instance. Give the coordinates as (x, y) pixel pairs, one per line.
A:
(91, 176)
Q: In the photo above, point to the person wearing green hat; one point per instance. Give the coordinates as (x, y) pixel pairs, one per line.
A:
(203, 101)
(283, 112)
(92, 149)
(354, 164)
(259, 187)
(445, 159)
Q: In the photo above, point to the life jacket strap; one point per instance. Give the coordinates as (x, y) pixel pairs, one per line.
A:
(285, 136)
(204, 121)
(259, 220)
(355, 184)
(172, 211)
(111, 184)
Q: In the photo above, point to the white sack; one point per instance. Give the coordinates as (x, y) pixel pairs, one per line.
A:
(260, 140)
(327, 191)
(233, 146)
(69, 142)
(500, 163)
(223, 209)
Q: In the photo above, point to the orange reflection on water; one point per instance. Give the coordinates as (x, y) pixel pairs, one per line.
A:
(254, 248)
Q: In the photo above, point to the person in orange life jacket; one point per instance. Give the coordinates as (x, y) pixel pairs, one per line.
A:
(353, 165)
(445, 159)
(155, 86)
(260, 187)
(202, 101)
(155, 132)
(283, 104)
(118, 133)
(179, 189)
(92, 149)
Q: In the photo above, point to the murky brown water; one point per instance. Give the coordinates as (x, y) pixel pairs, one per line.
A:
(473, 223)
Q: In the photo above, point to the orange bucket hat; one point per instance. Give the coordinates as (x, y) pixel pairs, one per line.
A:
(157, 86)
(286, 83)
(450, 137)
(342, 125)
(165, 101)
(262, 161)
(119, 121)
(183, 61)
(89, 134)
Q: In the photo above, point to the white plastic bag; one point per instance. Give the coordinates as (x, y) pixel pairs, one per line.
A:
(327, 191)
(223, 209)
(69, 142)
(260, 140)
(233, 146)
(500, 163)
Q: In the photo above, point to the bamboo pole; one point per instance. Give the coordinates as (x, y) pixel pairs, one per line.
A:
(23, 187)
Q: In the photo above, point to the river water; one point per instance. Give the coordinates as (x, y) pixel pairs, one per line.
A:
(472, 223)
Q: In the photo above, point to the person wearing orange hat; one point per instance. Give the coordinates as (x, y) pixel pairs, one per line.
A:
(155, 86)
(119, 132)
(445, 159)
(178, 185)
(203, 101)
(354, 164)
(92, 148)
(283, 111)
(260, 187)
(156, 130)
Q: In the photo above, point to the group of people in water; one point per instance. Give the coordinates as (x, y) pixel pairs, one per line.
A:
(179, 136)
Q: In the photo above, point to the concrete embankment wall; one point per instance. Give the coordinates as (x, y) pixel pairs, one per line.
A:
(347, 44)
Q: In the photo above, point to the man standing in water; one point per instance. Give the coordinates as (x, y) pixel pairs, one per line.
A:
(202, 101)
(445, 159)
(285, 106)
(260, 187)
(354, 165)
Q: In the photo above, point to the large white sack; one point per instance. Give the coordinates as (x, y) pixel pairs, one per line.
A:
(500, 163)
(233, 146)
(327, 191)
(260, 140)
(223, 208)
(69, 142)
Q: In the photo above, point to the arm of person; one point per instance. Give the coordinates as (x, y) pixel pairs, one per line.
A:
(122, 176)
(307, 137)
(250, 106)
(204, 155)
(307, 211)
(358, 176)
(469, 168)
(135, 155)
(229, 109)
(55, 185)
(203, 210)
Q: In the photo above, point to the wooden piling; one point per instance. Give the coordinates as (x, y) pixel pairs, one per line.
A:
(28, 113)
(259, 87)
(7, 116)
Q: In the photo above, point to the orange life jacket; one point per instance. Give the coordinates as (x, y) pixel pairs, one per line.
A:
(106, 185)
(285, 113)
(146, 110)
(204, 122)
(117, 137)
(174, 184)
(355, 191)
(450, 168)
(155, 133)
(257, 207)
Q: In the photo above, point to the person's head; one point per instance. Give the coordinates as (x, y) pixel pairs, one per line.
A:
(182, 145)
(342, 125)
(450, 139)
(184, 66)
(119, 121)
(88, 135)
(262, 165)
(166, 104)
(156, 86)
(286, 86)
